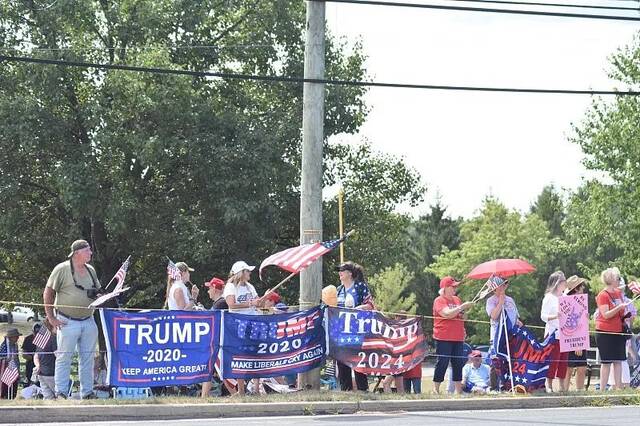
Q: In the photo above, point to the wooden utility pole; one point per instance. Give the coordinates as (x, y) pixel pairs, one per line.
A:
(311, 184)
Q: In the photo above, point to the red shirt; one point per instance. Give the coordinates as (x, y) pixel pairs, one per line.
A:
(414, 373)
(451, 330)
(613, 324)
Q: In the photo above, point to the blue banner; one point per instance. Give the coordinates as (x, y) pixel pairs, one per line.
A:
(371, 343)
(160, 348)
(256, 346)
(529, 359)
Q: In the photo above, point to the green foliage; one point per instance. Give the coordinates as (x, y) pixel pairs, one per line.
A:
(152, 165)
(499, 233)
(390, 290)
(550, 208)
(604, 218)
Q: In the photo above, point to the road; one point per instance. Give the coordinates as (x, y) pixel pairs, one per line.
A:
(597, 416)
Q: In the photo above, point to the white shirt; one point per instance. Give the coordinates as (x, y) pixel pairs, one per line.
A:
(243, 293)
(171, 300)
(550, 305)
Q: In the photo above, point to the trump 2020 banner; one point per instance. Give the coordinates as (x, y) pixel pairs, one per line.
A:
(573, 316)
(272, 345)
(160, 348)
(370, 343)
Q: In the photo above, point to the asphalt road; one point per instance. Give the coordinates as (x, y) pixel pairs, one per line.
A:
(618, 416)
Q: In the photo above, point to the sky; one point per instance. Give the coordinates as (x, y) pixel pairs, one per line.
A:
(467, 145)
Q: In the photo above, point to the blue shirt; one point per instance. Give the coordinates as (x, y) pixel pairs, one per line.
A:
(356, 295)
(476, 376)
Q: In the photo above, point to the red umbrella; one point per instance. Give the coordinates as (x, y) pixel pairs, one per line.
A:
(501, 267)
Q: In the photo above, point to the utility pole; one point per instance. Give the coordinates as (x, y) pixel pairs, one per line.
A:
(311, 184)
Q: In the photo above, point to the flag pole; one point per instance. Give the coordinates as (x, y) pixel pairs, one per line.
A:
(114, 276)
(293, 274)
(506, 338)
(341, 222)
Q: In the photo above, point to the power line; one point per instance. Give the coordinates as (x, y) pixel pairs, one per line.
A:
(521, 3)
(269, 78)
(484, 9)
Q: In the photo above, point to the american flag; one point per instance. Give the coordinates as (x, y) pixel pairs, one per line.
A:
(173, 271)
(634, 287)
(4, 349)
(296, 259)
(494, 282)
(10, 374)
(42, 337)
(122, 273)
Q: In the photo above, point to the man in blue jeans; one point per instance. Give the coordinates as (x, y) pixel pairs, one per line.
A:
(72, 286)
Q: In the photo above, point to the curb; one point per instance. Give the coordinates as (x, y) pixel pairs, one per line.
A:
(87, 413)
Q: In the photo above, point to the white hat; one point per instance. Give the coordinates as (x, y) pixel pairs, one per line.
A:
(241, 266)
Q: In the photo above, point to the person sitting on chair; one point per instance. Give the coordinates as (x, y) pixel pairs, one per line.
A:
(475, 374)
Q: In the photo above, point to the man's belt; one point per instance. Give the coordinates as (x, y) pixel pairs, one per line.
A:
(73, 318)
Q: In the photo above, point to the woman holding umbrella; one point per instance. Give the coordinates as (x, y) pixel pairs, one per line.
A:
(449, 333)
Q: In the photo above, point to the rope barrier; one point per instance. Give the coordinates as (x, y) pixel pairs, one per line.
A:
(386, 313)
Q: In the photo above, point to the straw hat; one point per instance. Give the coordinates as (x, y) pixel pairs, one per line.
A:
(572, 282)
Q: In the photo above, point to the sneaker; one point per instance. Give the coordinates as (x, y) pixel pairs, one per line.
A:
(60, 395)
(90, 395)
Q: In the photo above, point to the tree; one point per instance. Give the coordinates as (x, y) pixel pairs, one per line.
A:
(390, 289)
(148, 164)
(608, 135)
(550, 208)
(500, 233)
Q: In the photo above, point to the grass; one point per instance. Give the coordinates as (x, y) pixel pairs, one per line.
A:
(629, 398)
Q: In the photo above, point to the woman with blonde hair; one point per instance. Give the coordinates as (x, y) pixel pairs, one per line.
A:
(178, 297)
(556, 285)
(610, 316)
(242, 298)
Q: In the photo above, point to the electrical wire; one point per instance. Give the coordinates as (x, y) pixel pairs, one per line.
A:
(520, 3)
(484, 9)
(269, 78)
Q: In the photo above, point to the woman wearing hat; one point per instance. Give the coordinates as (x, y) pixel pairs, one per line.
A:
(577, 359)
(242, 298)
(11, 342)
(353, 292)
(179, 298)
(448, 333)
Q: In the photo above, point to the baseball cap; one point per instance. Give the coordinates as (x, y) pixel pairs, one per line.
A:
(78, 245)
(241, 266)
(345, 267)
(475, 353)
(184, 267)
(216, 283)
(448, 282)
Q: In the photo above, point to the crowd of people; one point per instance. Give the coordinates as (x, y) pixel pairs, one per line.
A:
(613, 317)
(73, 285)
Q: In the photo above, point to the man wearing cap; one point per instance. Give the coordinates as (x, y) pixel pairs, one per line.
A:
(475, 374)
(9, 352)
(215, 288)
(71, 287)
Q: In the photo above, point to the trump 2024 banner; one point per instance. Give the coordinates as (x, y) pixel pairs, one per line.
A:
(272, 345)
(370, 343)
(573, 316)
(160, 348)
